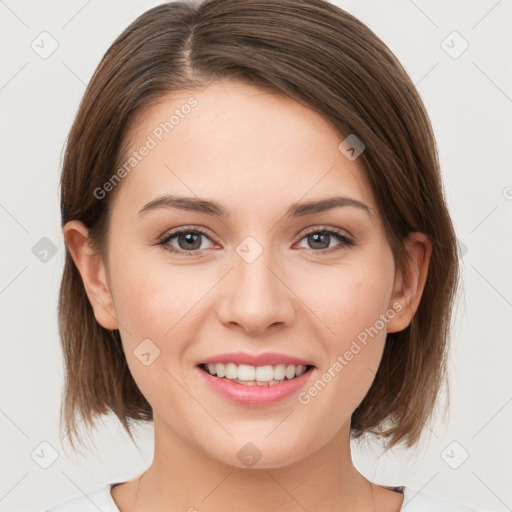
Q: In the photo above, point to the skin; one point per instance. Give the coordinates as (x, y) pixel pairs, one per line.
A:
(238, 140)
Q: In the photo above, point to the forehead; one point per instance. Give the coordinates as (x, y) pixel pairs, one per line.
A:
(240, 145)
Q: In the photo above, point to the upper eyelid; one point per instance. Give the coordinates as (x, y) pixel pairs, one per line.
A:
(325, 228)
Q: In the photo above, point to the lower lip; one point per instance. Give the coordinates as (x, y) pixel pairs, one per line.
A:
(255, 395)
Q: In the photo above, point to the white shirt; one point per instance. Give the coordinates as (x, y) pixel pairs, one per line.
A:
(101, 499)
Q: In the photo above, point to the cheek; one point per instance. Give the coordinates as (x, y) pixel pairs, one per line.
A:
(150, 299)
(353, 303)
(159, 309)
(358, 308)
(350, 299)
(153, 310)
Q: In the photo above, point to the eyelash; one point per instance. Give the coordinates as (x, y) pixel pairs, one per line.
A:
(338, 234)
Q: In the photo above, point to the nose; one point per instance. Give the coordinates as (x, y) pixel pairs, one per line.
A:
(255, 296)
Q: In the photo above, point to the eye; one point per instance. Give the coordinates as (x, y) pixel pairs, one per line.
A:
(188, 240)
(320, 240)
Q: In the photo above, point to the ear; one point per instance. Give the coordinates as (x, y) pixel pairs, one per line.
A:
(408, 288)
(92, 269)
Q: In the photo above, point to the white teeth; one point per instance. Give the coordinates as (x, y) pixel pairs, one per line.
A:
(256, 375)
(256, 383)
(246, 372)
(279, 372)
(220, 370)
(264, 373)
(231, 371)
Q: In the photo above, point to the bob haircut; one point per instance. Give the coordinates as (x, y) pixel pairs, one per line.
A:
(324, 58)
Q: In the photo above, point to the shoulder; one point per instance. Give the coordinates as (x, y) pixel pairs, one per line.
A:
(98, 499)
(418, 501)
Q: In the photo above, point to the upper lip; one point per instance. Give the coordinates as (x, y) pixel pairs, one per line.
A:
(263, 359)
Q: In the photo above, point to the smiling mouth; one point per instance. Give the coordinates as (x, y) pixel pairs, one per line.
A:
(268, 375)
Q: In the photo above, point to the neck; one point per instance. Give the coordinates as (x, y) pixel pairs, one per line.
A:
(184, 478)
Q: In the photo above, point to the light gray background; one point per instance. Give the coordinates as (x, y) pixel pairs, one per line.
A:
(469, 99)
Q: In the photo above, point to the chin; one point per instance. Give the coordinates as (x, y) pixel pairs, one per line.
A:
(259, 452)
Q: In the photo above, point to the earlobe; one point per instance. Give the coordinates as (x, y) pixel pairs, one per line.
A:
(92, 269)
(408, 288)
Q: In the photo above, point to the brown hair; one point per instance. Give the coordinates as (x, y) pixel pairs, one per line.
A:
(324, 58)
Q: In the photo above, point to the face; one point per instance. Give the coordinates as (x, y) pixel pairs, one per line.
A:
(188, 284)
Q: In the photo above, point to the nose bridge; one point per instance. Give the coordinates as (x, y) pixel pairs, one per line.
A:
(256, 298)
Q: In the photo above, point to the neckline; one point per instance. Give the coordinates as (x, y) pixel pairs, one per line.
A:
(399, 488)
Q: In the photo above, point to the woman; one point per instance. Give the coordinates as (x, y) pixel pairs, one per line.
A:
(260, 259)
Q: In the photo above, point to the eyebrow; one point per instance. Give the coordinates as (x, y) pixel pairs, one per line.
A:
(215, 209)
